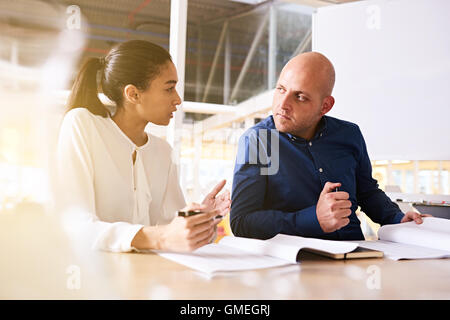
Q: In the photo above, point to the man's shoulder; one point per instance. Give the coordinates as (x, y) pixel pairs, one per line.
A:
(339, 124)
(254, 133)
(266, 123)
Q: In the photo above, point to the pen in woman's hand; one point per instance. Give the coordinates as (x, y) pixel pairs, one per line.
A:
(190, 213)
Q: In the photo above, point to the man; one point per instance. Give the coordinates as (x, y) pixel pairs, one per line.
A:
(323, 169)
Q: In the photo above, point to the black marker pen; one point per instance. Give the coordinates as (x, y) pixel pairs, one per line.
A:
(191, 213)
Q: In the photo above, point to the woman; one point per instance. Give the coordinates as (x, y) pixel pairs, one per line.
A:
(119, 186)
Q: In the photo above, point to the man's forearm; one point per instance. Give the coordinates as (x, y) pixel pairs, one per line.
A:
(265, 224)
(380, 208)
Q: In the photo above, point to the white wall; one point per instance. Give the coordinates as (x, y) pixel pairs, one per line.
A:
(392, 61)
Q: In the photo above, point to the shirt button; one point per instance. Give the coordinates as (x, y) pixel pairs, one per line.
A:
(320, 170)
(310, 143)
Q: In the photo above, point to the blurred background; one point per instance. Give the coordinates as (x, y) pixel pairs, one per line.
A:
(233, 54)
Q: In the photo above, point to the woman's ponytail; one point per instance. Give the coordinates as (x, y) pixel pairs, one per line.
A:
(135, 62)
(84, 91)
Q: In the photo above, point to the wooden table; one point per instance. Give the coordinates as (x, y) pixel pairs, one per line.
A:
(38, 262)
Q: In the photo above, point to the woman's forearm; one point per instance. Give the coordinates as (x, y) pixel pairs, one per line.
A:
(182, 234)
(149, 237)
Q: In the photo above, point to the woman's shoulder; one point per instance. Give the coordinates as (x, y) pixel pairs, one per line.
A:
(80, 117)
(161, 144)
(160, 147)
(77, 114)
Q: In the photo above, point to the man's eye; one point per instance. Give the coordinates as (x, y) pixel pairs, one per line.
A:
(170, 89)
(282, 90)
(301, 98)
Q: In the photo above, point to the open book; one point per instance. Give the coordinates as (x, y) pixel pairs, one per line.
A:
(409, 240)
(236, 253)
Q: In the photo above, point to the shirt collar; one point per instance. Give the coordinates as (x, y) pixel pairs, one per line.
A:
(321, 128)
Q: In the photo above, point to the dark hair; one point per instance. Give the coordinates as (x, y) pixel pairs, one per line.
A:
(135, 62)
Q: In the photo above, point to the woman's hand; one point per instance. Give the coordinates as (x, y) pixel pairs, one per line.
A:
(184, 234)
(189, 233)
(220, 203)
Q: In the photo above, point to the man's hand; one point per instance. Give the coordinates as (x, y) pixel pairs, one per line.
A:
(414, 216)
(333, 208)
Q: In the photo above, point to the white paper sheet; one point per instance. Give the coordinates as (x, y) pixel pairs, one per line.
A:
(285, 252)
(237, 253)
(432, 233)
(217, 257)
(409, 240)
(331, 246)
(397, 251)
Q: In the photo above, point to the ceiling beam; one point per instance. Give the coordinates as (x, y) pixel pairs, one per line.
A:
(255, 105)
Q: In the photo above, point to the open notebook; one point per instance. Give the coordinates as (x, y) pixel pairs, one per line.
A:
(236, 253)
(409, 240)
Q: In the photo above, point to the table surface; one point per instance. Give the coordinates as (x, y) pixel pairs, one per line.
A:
(39, 262)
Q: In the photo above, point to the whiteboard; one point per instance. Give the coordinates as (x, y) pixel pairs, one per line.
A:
(392, 62)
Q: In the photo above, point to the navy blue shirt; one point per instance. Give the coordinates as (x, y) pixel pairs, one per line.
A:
(283, 198)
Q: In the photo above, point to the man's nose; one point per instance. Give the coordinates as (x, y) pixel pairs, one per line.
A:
(285, 102)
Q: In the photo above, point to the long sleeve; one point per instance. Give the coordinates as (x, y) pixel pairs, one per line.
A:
(373, 201)
(76, 193)
(249, 216)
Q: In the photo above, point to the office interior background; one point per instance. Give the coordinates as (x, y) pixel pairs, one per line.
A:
(230, 53)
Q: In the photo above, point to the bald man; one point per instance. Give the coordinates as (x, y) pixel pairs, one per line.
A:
(323, 172)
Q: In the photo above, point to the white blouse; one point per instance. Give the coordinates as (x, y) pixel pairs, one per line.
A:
(103, 196)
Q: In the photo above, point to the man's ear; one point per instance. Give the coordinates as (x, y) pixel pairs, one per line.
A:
(131, 94)
(327, 104)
